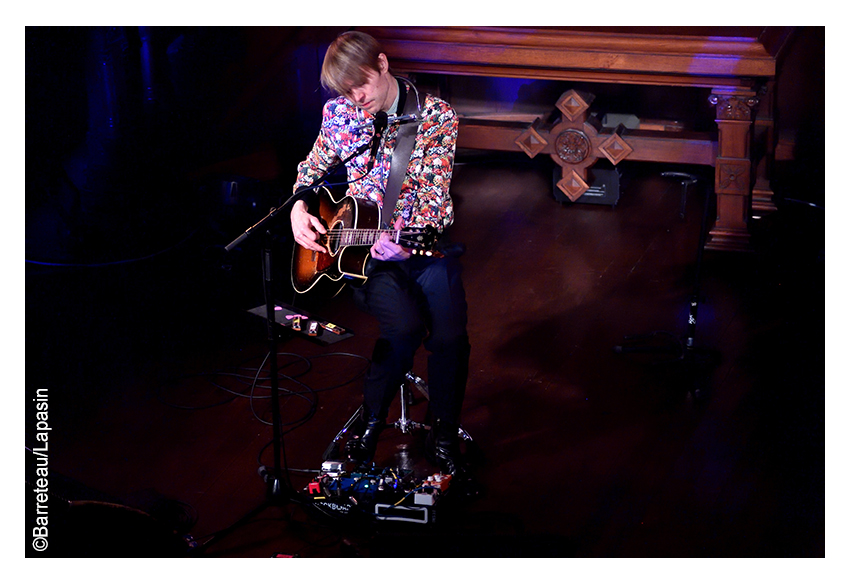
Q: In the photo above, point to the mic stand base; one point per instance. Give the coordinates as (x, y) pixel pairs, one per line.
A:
(693, 364)
(272, 500)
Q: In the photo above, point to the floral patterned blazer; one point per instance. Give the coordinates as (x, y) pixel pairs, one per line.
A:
(424, 198)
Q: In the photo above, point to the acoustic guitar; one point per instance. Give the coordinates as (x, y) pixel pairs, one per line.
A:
(353, 226)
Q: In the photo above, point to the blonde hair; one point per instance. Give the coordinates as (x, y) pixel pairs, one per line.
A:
(349, 57)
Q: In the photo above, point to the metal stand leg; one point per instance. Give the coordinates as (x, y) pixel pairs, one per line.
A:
(332, 451)
(687, 180)
(413, 380)
(405, 424)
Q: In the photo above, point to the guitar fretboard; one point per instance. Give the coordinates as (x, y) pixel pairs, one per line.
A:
(345, 237)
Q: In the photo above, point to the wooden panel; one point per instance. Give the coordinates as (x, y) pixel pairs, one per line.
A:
(673, 147)
(567, 54)
(679, 147)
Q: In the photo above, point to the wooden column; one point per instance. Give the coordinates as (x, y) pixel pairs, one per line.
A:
(733, 176)
(764, 151)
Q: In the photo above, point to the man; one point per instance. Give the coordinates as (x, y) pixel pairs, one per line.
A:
(414, 298)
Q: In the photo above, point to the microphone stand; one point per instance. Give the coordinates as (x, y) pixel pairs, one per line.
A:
(275, 493)
(696, 361)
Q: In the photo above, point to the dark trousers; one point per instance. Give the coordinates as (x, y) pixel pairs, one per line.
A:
(419, 300)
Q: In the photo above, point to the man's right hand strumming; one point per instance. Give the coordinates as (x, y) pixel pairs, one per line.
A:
(306, 228)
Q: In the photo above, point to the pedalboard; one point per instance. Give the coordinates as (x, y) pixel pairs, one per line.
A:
(376, 494)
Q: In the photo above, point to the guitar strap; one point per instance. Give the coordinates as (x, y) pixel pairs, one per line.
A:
(401, 155)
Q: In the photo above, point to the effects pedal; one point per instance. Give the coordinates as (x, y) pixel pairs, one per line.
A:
(378, 494)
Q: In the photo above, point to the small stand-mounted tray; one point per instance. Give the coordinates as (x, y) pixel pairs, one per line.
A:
(303, 323)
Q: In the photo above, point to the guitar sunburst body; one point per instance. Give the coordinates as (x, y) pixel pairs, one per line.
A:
(353, 226)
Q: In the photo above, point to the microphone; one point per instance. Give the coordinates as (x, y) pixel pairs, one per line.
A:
(380, 123)
(390, 120)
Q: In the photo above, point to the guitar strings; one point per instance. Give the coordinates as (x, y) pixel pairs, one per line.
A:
(343, 232)
(357, 236)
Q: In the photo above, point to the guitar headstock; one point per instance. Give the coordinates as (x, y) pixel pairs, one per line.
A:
(419, 240)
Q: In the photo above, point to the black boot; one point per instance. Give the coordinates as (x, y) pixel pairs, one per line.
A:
(443, 448)
(362, 445)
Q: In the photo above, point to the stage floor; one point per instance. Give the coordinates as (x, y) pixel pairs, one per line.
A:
(585, 452)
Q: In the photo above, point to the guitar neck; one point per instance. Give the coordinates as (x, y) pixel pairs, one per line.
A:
(346, 237)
